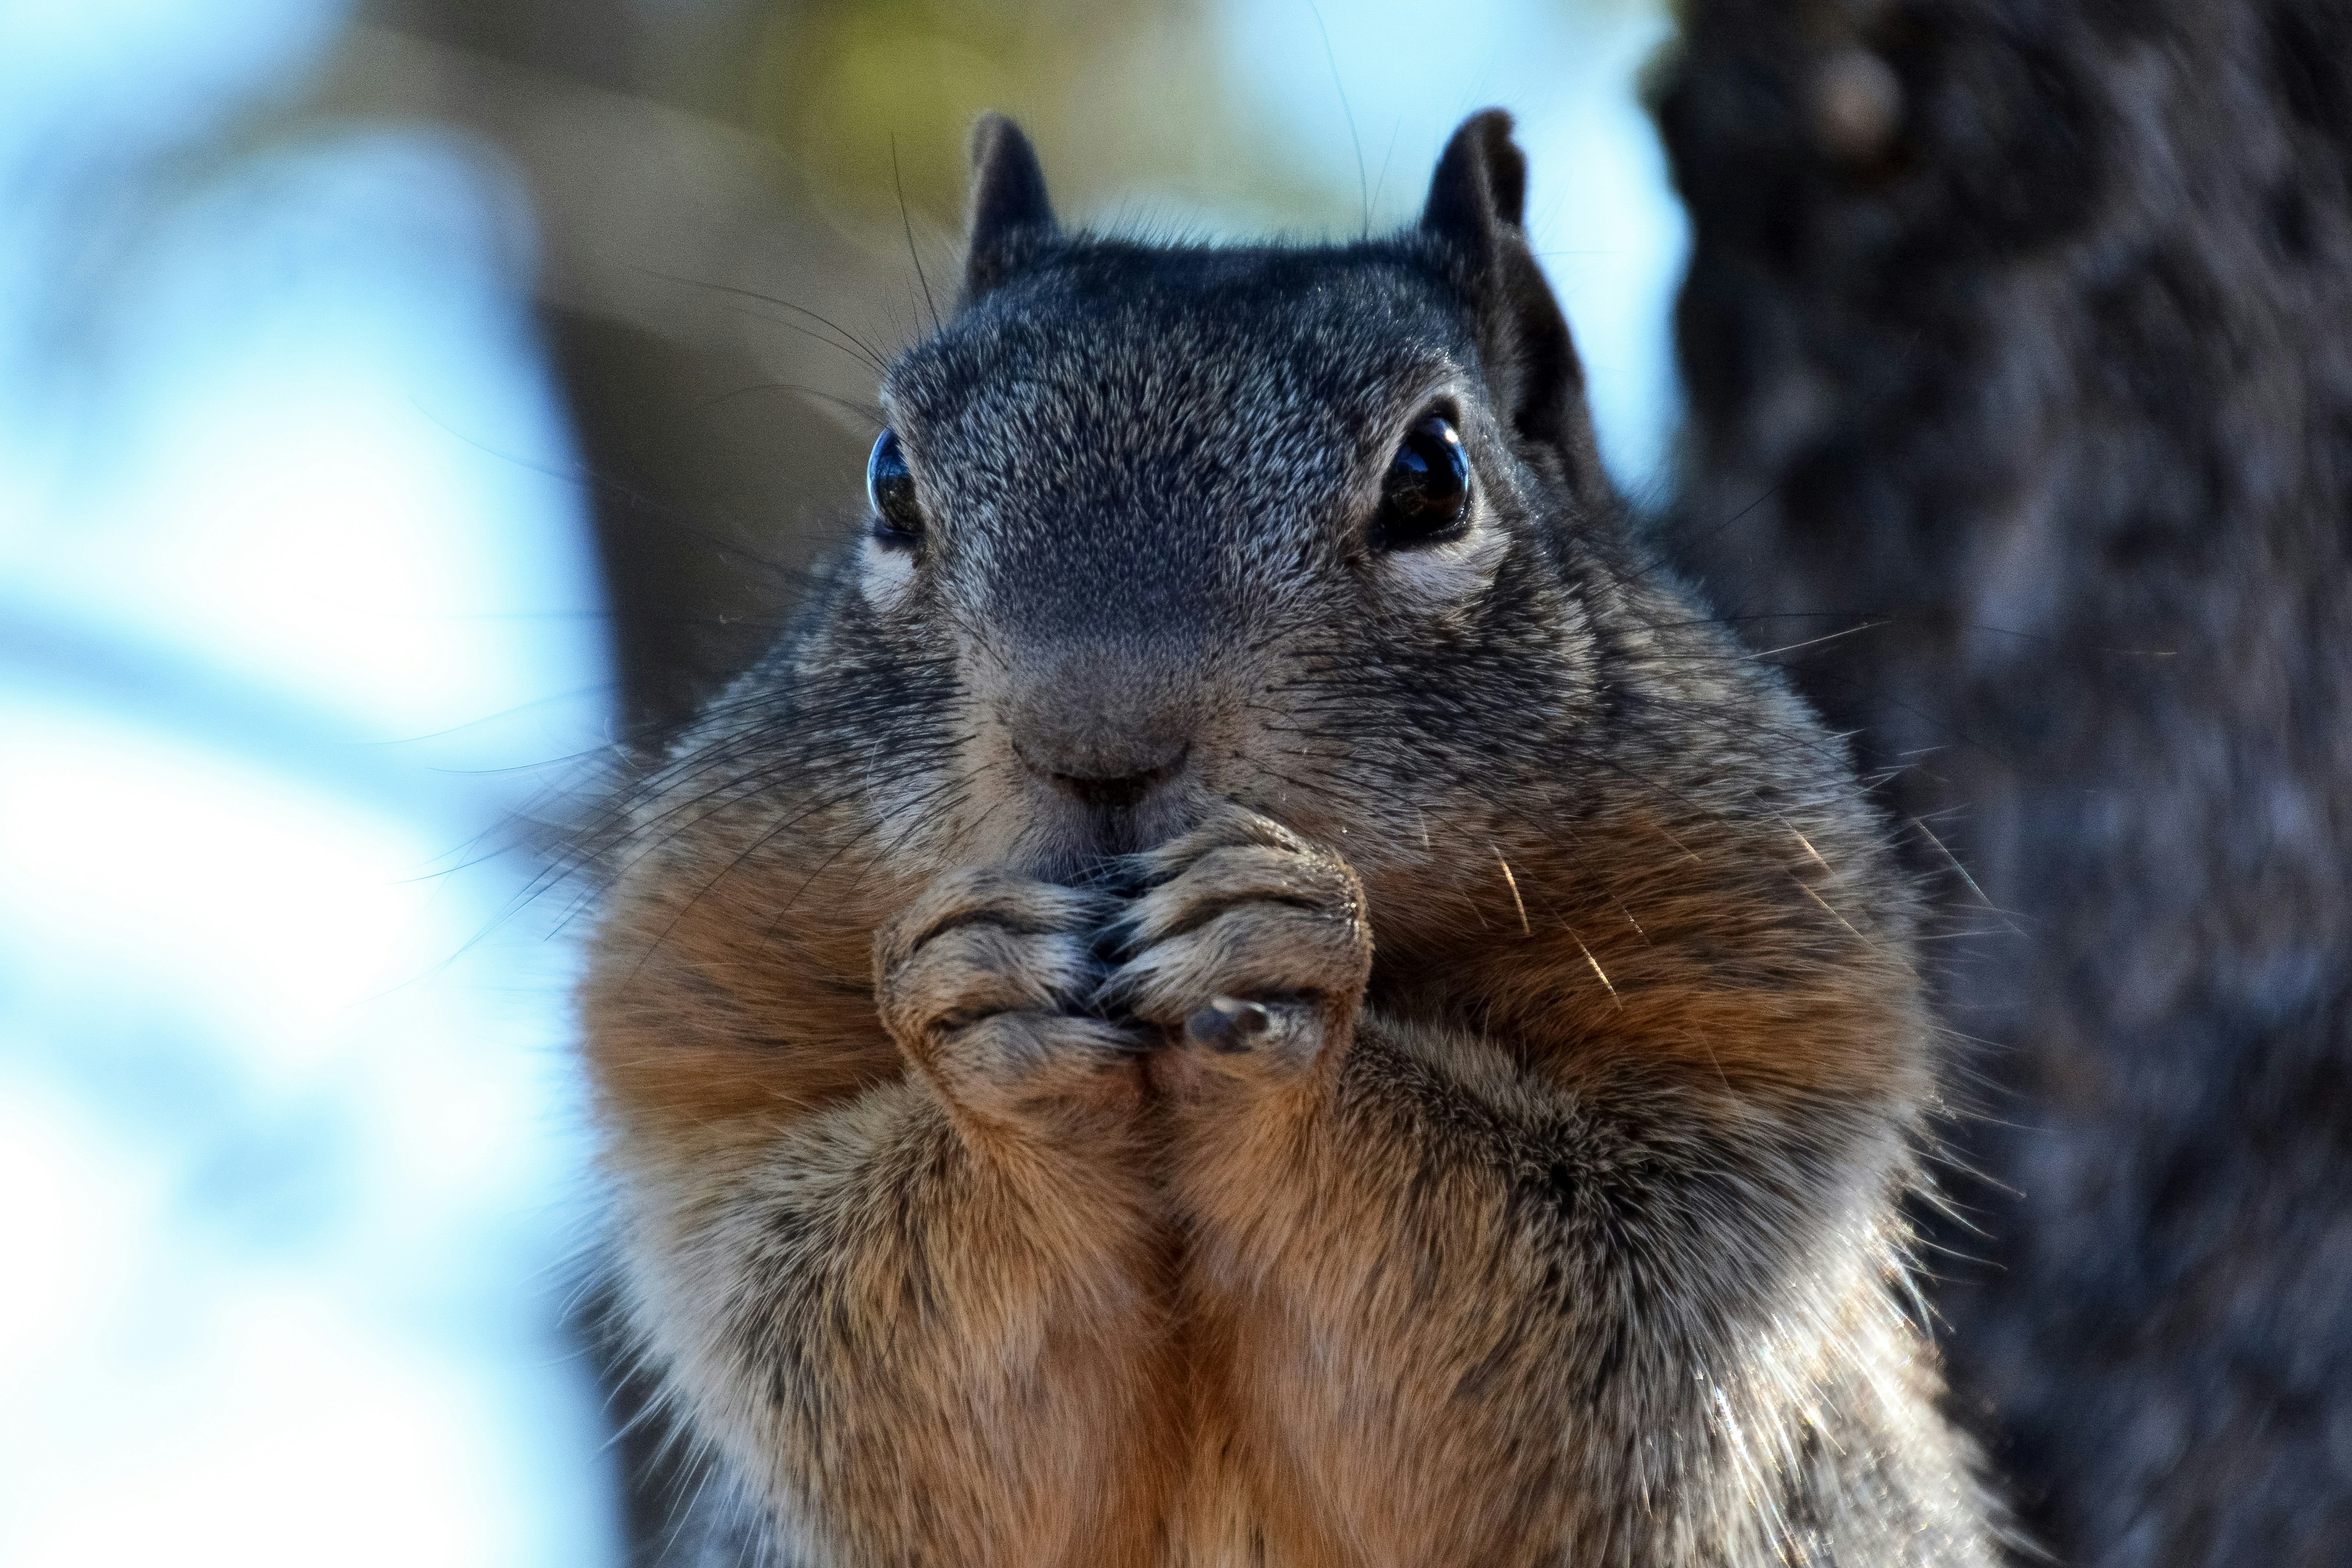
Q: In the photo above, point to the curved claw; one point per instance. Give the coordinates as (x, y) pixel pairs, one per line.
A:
(1229, 1026)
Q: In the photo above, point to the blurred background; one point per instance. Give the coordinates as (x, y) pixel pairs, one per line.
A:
(403, 408)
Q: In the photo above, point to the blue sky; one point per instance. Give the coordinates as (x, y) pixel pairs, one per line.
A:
(298, 1158)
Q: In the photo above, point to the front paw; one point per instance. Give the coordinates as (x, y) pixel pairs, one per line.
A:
(1249, 951)
(983, 982)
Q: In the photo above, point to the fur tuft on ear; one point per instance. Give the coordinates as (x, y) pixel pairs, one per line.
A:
(1477, 203)
(1010, 209)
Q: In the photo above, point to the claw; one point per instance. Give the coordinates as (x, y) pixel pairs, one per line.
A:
(1228, 1025)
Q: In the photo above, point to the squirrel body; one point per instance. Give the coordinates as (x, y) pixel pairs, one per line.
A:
(1177, 1021)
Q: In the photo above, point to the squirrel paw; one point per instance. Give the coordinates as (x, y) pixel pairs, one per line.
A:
(1249, 949)
(983, 983)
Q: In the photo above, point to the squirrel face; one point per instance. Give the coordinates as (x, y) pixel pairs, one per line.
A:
(1166, 527)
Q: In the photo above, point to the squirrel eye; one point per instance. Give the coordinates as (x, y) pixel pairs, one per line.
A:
(1425, 498)
(890, 491)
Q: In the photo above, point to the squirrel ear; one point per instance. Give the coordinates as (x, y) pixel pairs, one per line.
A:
(1009, 208)
(1480, 189)
(1478, 200)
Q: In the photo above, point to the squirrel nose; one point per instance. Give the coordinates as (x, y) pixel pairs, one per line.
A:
(1101, 734)
(1110, 772)
(1131, 783)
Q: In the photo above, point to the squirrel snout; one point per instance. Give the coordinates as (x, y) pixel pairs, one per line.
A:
(1102, 727)
(1119, 773)
(1098, 755)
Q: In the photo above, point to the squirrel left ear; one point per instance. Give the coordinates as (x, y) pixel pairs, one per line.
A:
(1010, 212)
(1476, 203)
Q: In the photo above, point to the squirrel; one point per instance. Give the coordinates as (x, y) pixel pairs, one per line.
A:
(1253, 982)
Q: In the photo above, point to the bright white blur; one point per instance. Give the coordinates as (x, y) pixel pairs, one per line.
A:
(294, 1163)
(296, 610)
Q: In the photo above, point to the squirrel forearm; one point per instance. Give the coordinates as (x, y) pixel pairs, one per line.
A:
(1515, 1290)
(921, 1348)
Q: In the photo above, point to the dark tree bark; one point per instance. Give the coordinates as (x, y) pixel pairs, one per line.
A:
(2024, 330)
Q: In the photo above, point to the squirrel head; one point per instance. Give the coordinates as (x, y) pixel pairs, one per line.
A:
(1303, 527)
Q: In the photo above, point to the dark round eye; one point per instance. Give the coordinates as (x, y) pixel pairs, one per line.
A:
(890, 491)
(1425, 498)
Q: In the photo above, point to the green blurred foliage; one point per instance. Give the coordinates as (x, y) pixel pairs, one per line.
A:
(1120, 97)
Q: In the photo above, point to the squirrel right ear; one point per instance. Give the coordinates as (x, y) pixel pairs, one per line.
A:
(1010, 212)
(1480, 189)
(1477, 200)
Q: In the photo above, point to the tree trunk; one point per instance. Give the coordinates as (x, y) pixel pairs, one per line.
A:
(2019, 344)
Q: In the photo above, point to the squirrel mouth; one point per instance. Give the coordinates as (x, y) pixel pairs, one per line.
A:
(1111, 814)
(1097, 822)
(1114, 823)
(1126, 793)
(1115, 836)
